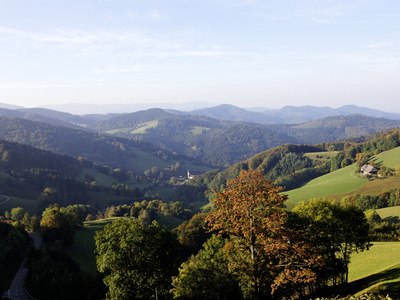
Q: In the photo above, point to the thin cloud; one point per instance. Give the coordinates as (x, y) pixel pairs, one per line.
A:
(30, 85)
(124, 70)
(382, 45)
(153, 15)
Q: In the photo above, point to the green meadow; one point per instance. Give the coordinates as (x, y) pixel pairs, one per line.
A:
(338, 182)
(28, 204)
(389, 158)
(83, 249)
(102, 179)
(389, 212)
(376, 270)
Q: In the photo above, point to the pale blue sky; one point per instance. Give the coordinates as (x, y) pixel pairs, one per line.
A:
(243, 52)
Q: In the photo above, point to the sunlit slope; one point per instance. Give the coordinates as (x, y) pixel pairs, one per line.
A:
(376, 270)
(389, 158)
(338, 182)
(392, 213)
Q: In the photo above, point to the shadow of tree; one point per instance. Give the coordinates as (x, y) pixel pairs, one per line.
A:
(392, 288)
(392, 219)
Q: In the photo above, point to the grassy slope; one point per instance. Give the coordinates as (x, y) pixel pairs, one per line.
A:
(376, 270)
(83, 248)
(344, 182)
(389, 158)
(28, 204)
(338, 182)
(102, 179)
(389, 212)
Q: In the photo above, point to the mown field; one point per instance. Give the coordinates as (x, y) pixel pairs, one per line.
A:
(376, 270)
(345, 182)
(389, 212)
(28, 204)
(102, 179)
(339, 182)
(389, 158)
(83, 249)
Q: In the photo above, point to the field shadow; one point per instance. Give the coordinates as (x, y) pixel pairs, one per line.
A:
(392, 219)
(391, 288)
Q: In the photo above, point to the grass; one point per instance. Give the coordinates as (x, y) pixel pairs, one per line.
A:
(389, 212)
(28, 204)
(103, 200)
(199, 130)
(376, 271)
(321, 157)
(100, 178)
(83, 249)
(145, 126)
(339, 182)
(372, 187)
(144, 161)
(170, 222)
(389, 158)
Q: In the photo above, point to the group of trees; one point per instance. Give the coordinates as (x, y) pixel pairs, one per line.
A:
(253, 249)
(287, 166)
(13, 240)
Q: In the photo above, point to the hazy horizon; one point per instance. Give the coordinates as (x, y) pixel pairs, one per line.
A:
(247, 53)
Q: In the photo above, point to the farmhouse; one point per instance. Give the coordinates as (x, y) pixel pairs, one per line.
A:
(369, 170)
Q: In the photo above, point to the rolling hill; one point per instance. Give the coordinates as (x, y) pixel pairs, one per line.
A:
(288, 114)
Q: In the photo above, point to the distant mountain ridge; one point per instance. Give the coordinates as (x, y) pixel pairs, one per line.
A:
(288, 114)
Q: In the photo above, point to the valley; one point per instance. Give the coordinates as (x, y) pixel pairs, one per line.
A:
(97, 169)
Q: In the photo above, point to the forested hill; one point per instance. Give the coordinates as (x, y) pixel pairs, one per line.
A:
(288, 166)
(222, 143)
(287, 114)
(330, 129)
(214, 142)
(112, 151)
(17, 157)
(34, 115)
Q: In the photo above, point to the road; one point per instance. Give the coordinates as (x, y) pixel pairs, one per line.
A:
(5, 201)
(17, 288)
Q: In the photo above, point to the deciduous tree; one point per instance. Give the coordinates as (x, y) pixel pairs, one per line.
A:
(139, 261)
(264, 253)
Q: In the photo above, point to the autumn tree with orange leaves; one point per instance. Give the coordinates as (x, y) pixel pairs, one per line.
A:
(268, 257)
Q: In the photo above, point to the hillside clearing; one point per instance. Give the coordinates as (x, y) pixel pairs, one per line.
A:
(376, 270)
(100, 178)
(28, 204)
(389, 212)
(372, 187)
(83, 249)
(338, 182)
(389, 158)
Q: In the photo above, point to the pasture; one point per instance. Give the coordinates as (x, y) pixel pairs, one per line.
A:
(389, 158)
(83, 249)
(28, 204)
(102, 179)
(321, 157)
(392, 213)
(338, 182)
(372, 187)
(376, 270)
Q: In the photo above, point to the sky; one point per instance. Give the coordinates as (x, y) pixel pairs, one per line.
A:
(249, 53)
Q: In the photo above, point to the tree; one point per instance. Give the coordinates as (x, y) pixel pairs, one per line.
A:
(262, 251)
(206, 276)
(17, 213)
(139, 261)
(336, 231)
